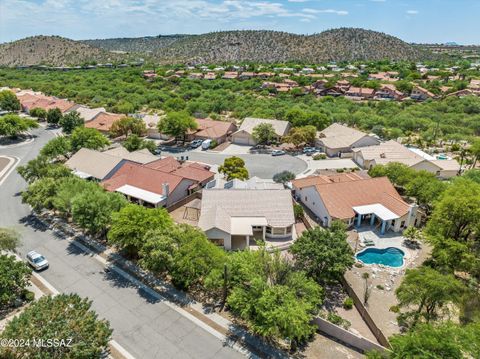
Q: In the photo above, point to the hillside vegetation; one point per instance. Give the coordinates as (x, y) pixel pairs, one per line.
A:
(345, 44)
(135, 44)
(51, 50)
(271, 46)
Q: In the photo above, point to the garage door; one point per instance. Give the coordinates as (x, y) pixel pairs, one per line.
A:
(242, 139)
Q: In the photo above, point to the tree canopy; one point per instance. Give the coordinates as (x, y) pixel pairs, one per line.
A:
(83, 137)
(234, 167)
(264, 133)
(127, 126)
(9, 101)
(14, 279)
(177, 124)
(12, 125)
(63, 317)
(70, 121)
(323, 254)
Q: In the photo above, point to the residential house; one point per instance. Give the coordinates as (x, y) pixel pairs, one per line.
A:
(235, 218)
(356, 200)
(86, 113)
(195, 76)
(30, 100)
(207, 128)
(344, 85)
(388, 92)
(230, 75)
(340, 140)
(157, 184)
(359, 93)
(244, 134)
(420, 94)
(104, 121)
(392, 151)
(210, 76)
(246, 75)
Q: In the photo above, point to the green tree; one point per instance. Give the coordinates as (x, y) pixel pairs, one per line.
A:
(71, 121)
(302, 135)
(177, 124)
(127, 126)
(58, 146)
(158, 251)
(63, 317)
(41, 194)
(475, 151)
(42, 167)
(83, 137)
(68, 188)
(234, 167)
(54, 115)
(473, 175)
(446, 340)
(14, 279)
(264, 133)
(134, 143)
(324, 254)
(195, 258)
(12, 125)
(428, 291)
(92, 210)
(425, 187)
(283, 177)
(9, 239)
(39, 113)
(396, 172)
(132, 222)
(8, 101)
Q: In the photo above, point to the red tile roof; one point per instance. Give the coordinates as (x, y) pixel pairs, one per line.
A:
(340, 197)
(104, 121)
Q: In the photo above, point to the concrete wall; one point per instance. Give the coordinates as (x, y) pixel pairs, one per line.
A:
(356, 341)
(310, 198)
(180, 192)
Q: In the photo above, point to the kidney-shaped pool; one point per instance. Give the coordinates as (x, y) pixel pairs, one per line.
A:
(392, 257)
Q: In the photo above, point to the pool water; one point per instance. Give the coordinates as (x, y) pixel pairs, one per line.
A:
(392, 257)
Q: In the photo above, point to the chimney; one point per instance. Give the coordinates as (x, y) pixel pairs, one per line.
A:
(165, 189)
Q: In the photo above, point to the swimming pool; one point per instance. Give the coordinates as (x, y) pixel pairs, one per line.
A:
(392, 257)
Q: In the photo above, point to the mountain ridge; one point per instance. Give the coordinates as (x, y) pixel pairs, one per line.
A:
(266, 46)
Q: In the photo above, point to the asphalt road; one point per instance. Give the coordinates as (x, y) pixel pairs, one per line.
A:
(260, 165)
(144, 325)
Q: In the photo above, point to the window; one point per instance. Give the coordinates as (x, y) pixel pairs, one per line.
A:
(269, 230)
(217, 241)
(402, 224)
(306, 198)
(289, 229)
(278, 231)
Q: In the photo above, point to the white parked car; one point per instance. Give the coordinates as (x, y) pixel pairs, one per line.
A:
(278, 153)
(36, 260)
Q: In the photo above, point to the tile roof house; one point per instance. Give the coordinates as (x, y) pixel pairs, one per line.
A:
(30, 100)
(388, 92)
(159, 183)
(337, 139)
(104, 121)
(392, 151)
(86, 113)
(357, 200)
(211, 129)
(235, 218)
(359, 93)
(244, 134)
(420, 94)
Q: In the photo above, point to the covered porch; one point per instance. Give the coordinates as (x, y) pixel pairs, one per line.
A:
(376, 215)
(142, 197)
(244, 231)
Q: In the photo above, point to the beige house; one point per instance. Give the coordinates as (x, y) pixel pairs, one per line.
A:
(338, 140)
(235, 218)
(392, 151)
(356, 200)
(244, 134)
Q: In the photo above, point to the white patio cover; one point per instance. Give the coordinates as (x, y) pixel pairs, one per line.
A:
(379, 210)
(139, 193)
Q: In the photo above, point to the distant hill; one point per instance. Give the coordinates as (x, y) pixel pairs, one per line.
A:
(270, 46)
(135, 44)
(51, 50)
(217, 47)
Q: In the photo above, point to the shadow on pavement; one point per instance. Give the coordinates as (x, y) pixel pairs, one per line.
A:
(33, 222)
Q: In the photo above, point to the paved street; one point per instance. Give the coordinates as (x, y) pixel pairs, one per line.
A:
(144, 325)
(260, 165)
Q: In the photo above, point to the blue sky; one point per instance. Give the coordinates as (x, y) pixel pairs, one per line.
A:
(411, 20)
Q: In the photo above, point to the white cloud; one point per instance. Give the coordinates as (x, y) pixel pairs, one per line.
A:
(325, 11)
(412, 12)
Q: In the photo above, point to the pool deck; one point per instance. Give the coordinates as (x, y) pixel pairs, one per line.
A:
(388, 240)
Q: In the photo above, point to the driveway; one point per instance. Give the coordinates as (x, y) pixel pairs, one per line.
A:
(260, 165)
(144, 325)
